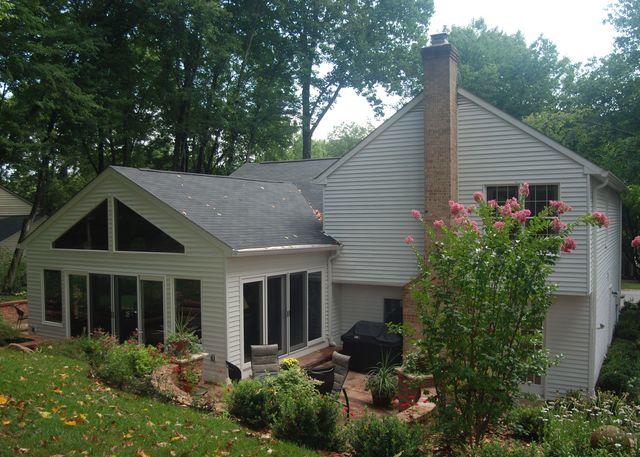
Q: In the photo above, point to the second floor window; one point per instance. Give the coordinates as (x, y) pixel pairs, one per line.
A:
(539, 195)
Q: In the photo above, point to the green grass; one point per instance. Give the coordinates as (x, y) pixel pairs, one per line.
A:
(13, 297)
(49, 405)
(630, 284)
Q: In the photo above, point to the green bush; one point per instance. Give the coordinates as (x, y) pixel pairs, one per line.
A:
(20, 284)
(386, 437)
(628, 326)
(252, 403)
(7, 332)
(497, 449)
(127, 366)
(527, 423)
(309, 420)
(620, 371)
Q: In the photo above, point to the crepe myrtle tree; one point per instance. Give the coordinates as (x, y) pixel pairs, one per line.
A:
(482, 295)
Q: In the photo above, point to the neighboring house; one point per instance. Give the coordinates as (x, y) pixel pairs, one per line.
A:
(246, 260)
(13, 210)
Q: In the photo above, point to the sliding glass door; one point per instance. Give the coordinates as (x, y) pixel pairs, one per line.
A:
(100, 302)
(152, 310)
(277, 312)
(297, 311)
(78, 305)
(126, 306)
(252, 316)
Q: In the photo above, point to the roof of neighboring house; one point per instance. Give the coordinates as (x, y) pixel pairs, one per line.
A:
(243, 213)
(300, 172)
(9, 225)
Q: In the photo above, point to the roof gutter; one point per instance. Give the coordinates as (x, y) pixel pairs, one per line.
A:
(609, 179)
(285, 249)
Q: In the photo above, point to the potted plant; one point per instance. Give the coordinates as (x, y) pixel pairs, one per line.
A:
(188, 377)
(382, 382)
(183, 341)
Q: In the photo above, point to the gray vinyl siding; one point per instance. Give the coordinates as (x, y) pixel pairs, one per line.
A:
(567, 334)
(606, 262)
(363, 302)
(257, 268)
(203, 259)
(367, 204)
(10, 205)
(492, 151)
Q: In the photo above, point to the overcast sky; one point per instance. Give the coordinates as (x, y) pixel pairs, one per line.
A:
(575, 26)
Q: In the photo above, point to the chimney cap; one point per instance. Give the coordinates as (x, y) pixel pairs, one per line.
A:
(438, 39)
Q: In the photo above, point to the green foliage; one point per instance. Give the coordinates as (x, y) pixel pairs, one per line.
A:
(7, 331)
(252, 403)
(517, 77)
(527, 423)
(183, 341)
(482, 296)
(127, 366)
(500, 449)
(308, 420)
(371, 436)
(340, 140)
(20, 284)
(383, 380)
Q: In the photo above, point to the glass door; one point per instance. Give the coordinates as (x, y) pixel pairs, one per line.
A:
(100, 302)
(126, 306)
(297, 311)
(78, 305)
(152, 310)
(252, 299)
(277, 312)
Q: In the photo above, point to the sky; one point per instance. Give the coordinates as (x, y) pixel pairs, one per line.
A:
(575, 26)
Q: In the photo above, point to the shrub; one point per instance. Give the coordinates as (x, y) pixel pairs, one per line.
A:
(7, 332)
(309, 420)
(527, 423)
(386, 437)
(497, 449)
(620, 372)
(97, 347)
(252, 403)
(628, 326)
(127, 366)
(482, 295)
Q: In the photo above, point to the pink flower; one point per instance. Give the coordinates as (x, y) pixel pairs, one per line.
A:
(635, 242)
(498, 225)
(506, 210)
(416, 214)
(438, 223)
(477, 196)
(601, 219)
(568, 245)
(524, 189)
(456, 208)
(493, 204)
(557, 225)
(522, 215)
(560, 206)
(409, 239)
(474, 226)
(513, 203)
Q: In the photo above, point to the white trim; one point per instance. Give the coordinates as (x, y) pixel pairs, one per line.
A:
(285, 249)
(322, 177)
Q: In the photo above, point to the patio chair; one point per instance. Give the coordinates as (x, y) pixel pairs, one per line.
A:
(341, 365)
(22, 317)
(264, 360)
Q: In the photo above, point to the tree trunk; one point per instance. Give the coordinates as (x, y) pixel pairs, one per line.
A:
(306, 116)
(38, 201)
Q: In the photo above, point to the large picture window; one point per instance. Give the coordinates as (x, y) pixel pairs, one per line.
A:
(135, 233)
(252, 316)
(315, 305)
(53, 296)
(188, 305)
(90, 232)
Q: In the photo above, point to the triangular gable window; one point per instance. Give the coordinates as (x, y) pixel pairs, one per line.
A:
(90, 232)
(135, 233)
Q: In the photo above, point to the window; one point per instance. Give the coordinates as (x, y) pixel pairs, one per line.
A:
(315, 305)
(252, 316)
(297, 310)
(53, 296)
(78, 305)
(539, 195)
(188, 304)
(100, 302)
(135, 233)
(392, 311)
(90, 232)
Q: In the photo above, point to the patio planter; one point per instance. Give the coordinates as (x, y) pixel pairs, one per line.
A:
(324, 375)
(410, 387)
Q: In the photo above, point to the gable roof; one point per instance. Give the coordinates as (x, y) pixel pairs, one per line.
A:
(13, 194)
(589, 167)
(245, 214)
(300, 172)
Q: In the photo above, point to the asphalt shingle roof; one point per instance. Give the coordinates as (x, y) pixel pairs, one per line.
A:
(299, 172)
(242, 213)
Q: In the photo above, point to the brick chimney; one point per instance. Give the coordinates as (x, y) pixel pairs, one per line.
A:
(440, 65)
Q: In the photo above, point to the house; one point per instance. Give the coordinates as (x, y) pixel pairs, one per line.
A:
(296, 252)
(13, 210)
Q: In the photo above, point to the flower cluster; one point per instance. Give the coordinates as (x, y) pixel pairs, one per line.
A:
(635, 242)
(601, 219)
(560, 207)
(568, 244)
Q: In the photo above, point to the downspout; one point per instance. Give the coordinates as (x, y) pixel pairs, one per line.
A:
(594, 288)
(330, 291)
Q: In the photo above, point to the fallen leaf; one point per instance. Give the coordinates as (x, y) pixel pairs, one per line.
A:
(3, 400)
(58, 390)
(141, 453)
(71, 422)
(6, 422)
(45, 414)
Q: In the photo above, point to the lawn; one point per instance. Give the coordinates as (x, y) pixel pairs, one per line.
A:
(49, 405)
(630, 284)
(12, 297)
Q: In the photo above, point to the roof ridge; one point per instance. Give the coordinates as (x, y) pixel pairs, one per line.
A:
(296, 160)
(238, 178)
